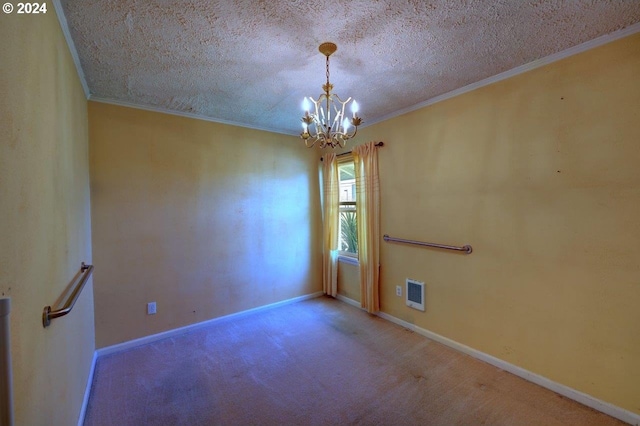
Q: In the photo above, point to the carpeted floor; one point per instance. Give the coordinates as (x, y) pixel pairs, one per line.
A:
(317, 362)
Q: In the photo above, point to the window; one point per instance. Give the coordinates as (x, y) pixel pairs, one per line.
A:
(348, 227)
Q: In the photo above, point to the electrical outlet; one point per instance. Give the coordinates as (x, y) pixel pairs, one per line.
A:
(151, 308)
(398, 290)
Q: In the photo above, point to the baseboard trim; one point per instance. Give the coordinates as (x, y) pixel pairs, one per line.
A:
(348, 301)
(87, 391)
(192, 327)
(583, 398)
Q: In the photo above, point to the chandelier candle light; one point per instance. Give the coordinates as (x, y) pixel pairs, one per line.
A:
(328, 125)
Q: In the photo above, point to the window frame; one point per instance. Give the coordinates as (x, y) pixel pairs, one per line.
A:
(346, 256)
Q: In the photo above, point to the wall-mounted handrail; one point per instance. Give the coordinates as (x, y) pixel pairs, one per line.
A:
(466, 248)
(48, 314)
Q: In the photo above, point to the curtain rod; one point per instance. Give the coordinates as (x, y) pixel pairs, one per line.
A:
(349, 152)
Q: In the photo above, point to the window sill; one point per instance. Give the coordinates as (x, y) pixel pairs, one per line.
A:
(348, 259)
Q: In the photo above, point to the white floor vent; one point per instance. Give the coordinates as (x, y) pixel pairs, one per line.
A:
(415, 294)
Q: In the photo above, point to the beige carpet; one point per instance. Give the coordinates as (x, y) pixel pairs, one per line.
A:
(317, 362)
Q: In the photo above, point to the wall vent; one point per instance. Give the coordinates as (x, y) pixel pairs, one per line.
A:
(415, 294)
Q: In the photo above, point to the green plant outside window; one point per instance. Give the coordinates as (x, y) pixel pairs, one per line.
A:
(348, 221)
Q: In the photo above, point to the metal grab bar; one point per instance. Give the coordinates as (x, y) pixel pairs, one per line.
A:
(48, 314)
(466, 248)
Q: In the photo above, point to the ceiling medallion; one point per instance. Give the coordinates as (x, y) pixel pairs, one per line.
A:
(327, 125)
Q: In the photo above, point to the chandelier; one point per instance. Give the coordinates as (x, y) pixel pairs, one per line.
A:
(327, 124)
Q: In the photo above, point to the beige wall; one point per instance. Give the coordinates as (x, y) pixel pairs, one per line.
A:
(541, 174)
(203, 218)
(45, 216)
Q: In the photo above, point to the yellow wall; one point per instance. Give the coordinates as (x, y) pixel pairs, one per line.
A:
(348, 281)
(541, 174)
(203, 218)
(45, 229)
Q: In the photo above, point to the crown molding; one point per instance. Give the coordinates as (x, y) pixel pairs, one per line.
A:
(184, 114)
(588, 45)
(62, 19)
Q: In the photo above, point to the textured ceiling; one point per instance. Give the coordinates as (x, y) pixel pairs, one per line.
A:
(251, 62)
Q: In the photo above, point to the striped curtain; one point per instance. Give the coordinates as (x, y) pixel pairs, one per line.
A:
(368, 213)
(330, 219)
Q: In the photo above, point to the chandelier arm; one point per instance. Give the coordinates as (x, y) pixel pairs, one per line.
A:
(317, 115)
(344, 104)
(335, 95)
(342, 116)
(313, 142)
(323, 117)
(336, 121)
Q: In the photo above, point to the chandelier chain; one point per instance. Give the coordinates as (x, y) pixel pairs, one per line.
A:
(327, 70)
